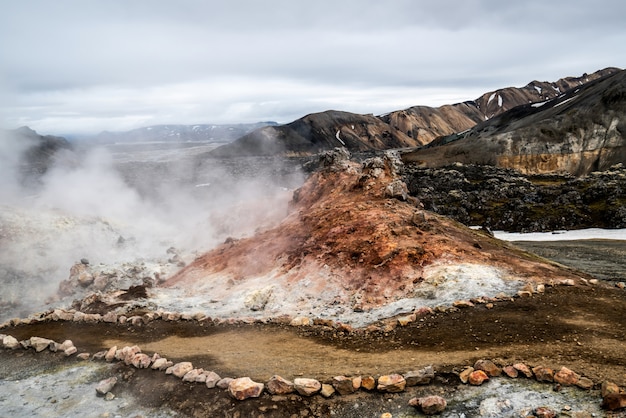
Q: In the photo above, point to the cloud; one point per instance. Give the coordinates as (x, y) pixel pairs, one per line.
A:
(56, 56)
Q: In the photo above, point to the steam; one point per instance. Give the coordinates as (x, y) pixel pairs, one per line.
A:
(110, 208)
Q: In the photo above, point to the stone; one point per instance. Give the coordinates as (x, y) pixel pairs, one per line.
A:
(343, 385)
(300, 321)
(543, 374)
(224, 382)
(585, 383)
(40, 344)
(109, 396)
(608, 388)
(141, 361)
(391, 383)
(179, 369)
(99, 355)
(160, 364)
(110, 355)
(420, 377)
(279, 386)
(368, 382)
(69, 351)
(211, 379)
(106, 385)
(403, 321)
(510, 371)
(110, 317)
(477, 377)
(10, 342)
(128, 353)
(307, 387)
(192, 375)
(429, 405)
(613, 401)
(65, 345)
(566, 377)
(488, 367)
(462, 304)
(244, 388)
(83, 356)
(465, 374)
(544, 412)
(524, 369)
(327, 390)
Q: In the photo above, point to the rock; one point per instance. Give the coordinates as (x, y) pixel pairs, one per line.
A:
(224, 382)
(106, 385)
(10, 342)
(420, 377)
(327, 390)
(613, 401)
(403, 321)
(99, 355)
(65, 345)
(192, 375)
(40, 344)
(279, 386)
(83, 356)
(211, 379)
(462, 304)
(160, 364)
(465, 374)
(368, 382)
(510, 371)
(69, 351)
(128, 353)
(477, 377)
(343, 385)
(488, 367)
(244, 388)
(524, 369)
(110, 355)
(544, 412)
(391, 383)
(300, 321)
(258, 299)
(179, 369)
(141, 361)
(307, 387)
(566, 377)
(543, 374)
(608, 388)
(429, 405)
(585, 383)
(110, 317)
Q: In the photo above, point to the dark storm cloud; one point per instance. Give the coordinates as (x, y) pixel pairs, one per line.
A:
(91, 65)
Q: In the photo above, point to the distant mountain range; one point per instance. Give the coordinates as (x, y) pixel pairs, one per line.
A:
(412, 127)
(184, 133)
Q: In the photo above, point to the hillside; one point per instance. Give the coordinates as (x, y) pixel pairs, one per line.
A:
(580, 131)
(411, 127)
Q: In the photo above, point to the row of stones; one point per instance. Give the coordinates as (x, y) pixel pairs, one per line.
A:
(244, 387)
(386, 326)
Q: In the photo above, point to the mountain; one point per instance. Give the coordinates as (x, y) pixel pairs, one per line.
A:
(579, 131)
(184, 133)
(415, 126)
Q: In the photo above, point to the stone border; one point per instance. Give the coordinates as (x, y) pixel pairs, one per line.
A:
(613, 397)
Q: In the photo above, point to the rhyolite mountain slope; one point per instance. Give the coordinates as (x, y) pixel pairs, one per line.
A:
(410, 127)
(580, 131)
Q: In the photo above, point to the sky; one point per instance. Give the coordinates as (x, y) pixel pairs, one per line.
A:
(84, 66)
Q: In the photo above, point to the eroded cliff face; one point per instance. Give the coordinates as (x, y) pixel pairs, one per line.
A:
(356, 247)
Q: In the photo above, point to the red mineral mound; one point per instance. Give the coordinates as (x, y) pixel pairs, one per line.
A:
(356, 248)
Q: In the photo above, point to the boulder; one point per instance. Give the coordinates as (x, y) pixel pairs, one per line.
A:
(279, 386)
(391, 383)
(161, 364)
(69, 351)
(327, 390)
(40, 344)
(543, 374)
(141, 361)
(429, 405)
(224, 382)
(211, 379)
(180, 369)
(420, 377)
(244, 388)
(524, 369)
(477, 377)
(368, 382)
(488, 367)
(193, 374)
(566, 377)
(106, 385)
(307, 387)
(343, 385)
(10, 342)
(510, 371)
(110, 355)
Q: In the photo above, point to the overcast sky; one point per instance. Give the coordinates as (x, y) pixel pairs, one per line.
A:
(83, 66)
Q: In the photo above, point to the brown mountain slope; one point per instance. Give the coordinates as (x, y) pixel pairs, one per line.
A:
(411, 127)
(354, 250)
(578, 132)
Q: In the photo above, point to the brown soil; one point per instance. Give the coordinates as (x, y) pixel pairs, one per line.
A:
(583, 328)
